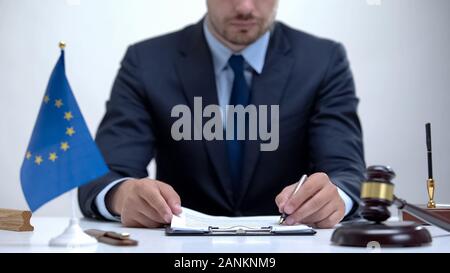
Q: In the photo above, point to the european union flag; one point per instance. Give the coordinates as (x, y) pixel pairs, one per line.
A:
(61, 154)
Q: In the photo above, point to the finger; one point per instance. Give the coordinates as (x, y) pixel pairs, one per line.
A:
(153, 197)
(311, 186)
(171, 196)
(150, 213)
(132, 223)
(321, 214)
(141, 214)
(331, 221)
(282, 197)
(317, 202)
(147, 222)
(129, 219)
(311, 206)
(140, 221)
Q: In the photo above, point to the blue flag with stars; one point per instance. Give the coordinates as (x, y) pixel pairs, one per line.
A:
(61, 154)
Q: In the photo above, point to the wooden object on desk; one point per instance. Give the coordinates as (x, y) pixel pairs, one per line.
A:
(440, 210)
(15, 220)
(377, 194)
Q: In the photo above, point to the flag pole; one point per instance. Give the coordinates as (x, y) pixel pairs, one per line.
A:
(73, 195)
(73, 236)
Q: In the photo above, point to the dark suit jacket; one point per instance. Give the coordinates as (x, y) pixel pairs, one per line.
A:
(307, 76)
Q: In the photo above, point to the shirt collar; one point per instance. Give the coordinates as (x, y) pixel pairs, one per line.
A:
(254, 54)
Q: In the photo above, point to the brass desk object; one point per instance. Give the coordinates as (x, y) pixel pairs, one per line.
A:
(436, 209)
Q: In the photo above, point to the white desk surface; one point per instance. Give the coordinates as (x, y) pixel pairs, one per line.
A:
(154, 241)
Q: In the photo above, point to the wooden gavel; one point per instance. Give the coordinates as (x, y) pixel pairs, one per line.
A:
(377, 195)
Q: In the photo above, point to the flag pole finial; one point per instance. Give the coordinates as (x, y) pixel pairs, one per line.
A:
(62, 45)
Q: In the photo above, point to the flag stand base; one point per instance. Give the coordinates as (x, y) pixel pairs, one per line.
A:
(73, 236)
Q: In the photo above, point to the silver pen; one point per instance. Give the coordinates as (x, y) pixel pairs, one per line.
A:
(299, 184)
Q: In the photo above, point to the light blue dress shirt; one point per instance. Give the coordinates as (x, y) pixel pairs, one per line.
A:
(254, 56)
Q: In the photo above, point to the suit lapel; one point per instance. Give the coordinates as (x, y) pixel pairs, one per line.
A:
(196, 71)
(267, 89)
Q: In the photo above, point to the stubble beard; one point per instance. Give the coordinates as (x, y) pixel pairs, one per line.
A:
(245, 37)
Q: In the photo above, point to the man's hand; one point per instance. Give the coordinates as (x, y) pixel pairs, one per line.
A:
(144, 203)
(317, 203)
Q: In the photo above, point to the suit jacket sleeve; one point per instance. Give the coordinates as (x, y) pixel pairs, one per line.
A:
(335, 134)
(125, 136)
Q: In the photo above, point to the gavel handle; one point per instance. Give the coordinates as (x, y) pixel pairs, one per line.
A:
(422, 214)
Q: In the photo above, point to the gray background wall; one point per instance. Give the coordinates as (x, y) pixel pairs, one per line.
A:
(399, 51)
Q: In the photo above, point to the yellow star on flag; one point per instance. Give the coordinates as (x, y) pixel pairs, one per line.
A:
(46, 99)
(70, 131)
(28, 156)
(38, 160)
(65, 146)
(58, 103)
(68, 116)
(52, 157)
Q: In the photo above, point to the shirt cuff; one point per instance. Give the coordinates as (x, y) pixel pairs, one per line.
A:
(100, 200)
(347, 200)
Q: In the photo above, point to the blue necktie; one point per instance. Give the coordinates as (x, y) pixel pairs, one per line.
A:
(240, 95)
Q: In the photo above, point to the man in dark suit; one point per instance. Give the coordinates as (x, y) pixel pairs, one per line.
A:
(237, 55)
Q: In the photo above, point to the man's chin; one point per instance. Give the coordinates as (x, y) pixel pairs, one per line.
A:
(242, 38)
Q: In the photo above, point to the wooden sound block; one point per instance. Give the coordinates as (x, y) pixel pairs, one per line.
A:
(15, 220)
(388, 234)
(443, 211)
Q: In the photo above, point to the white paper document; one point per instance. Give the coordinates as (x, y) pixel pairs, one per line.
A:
(191, 220)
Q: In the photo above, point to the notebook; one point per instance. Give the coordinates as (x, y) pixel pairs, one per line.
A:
(191, 222)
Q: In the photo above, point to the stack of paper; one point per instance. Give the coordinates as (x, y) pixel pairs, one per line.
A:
(191, 220)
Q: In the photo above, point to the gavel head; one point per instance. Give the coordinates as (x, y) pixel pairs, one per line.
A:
(377, 193)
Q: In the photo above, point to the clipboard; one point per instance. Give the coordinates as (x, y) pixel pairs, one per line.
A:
(239, 231)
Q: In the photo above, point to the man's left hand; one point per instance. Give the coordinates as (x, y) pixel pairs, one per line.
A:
(317, 203)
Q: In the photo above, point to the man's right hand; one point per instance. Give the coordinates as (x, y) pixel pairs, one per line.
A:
(144, 203)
